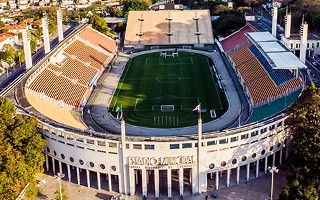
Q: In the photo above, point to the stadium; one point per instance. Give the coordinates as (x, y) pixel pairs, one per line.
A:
(174, 113)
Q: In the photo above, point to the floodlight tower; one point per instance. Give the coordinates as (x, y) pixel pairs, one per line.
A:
(59, 21)
(274, 21)
(304, 40)
(287, 30)
(26, 46)
(46, 38)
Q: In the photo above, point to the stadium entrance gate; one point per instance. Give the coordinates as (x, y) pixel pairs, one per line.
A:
(146, 181)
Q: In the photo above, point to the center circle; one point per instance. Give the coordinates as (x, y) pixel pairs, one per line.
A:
(169, 78)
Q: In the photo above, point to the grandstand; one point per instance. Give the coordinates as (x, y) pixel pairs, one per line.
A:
(168, 27)
(236, 39)
(69, 76)
(63, 78)
(263, 80)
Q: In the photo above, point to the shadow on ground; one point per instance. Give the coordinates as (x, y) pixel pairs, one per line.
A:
(42, 196)
(103, 196)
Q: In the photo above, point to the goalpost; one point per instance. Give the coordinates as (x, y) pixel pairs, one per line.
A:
(167, 108)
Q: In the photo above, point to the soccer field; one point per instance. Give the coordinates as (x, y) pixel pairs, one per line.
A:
(161, 91)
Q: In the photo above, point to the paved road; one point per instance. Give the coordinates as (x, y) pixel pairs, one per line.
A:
(20, 69)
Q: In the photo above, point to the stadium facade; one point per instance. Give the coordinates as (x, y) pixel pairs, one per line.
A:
(137, 166)
(152, 166)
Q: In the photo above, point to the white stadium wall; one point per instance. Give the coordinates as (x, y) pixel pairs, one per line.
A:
(252, 141)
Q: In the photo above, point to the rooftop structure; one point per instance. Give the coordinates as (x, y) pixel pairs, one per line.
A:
(168, 27)
(277, 55)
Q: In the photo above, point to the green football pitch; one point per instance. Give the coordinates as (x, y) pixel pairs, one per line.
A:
(158, 91)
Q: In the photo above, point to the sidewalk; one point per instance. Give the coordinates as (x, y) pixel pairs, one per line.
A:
(256, 189)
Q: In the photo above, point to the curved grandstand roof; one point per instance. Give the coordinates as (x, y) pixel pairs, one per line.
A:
(168, 27)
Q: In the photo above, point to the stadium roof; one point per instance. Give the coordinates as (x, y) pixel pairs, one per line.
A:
(285, 60)
(271, 47)
(277, 55)
(168, 27)
(262, 36)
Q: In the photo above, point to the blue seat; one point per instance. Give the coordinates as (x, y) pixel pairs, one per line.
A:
(279, 76)
(265, 63)
(254, 50)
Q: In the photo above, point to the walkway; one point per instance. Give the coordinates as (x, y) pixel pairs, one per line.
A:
(101, 117)
(256, 189)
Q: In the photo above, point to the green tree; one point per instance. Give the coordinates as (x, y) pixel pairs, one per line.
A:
(3, 30)
(218, 9)
(8, 54)
(21, 150)
(305, 125)
(64, 194)
(2, 24)
(316, 21)
(228, 23)
(304, 122)
(115, 12)
(130, 5)
(99, 23)
(252, 2)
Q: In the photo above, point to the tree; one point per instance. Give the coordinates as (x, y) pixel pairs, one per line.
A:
(304, 122)
(21, 147)
(252, 2)
(316, 21)
(220, 9)
(130, 5)
(2, 24)
(228, 24)
(9, 53)
(305, 125)
(99, 23)
(115, 12)
(3, 30)
(64, 194)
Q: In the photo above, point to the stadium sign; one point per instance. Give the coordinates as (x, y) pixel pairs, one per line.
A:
(160, 162)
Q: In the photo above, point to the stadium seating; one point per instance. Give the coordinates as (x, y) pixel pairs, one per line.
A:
(241, 55)
(236, 39)
(58, 87)
(264, 90)
(251, 71)
(254, 51)
(99, 40)
(75, 69)
(265, 63)
(90, 55)
(279, 76)
(69, 81)
(261, 81)
(168, 27)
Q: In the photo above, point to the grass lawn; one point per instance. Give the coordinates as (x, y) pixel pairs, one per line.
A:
(162, 92)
